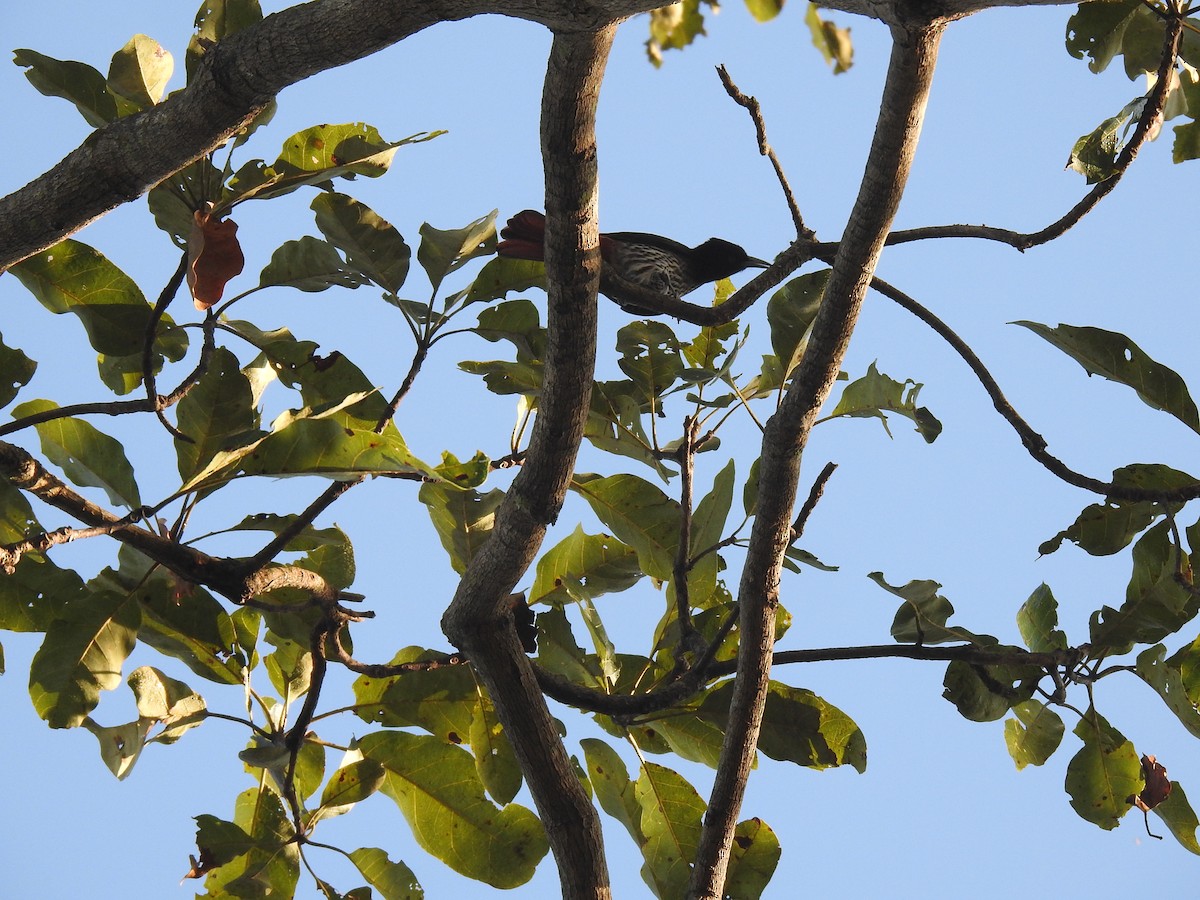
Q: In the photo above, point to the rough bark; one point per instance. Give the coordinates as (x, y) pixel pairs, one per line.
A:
(476, 620)
(902, 109)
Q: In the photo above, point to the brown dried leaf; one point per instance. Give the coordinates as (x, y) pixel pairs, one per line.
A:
(214, 257)
(1158, 786)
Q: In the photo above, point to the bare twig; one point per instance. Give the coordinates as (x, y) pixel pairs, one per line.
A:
(814, 497)
(751, 105)
(148, 376)
(1033, 442)
(1147, 125)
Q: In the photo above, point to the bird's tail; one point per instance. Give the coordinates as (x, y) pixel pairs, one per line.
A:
(523, 236)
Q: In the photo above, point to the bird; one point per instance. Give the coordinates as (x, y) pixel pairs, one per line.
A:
(656, 263)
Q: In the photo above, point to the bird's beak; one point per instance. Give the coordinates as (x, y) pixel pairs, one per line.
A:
(756, 263)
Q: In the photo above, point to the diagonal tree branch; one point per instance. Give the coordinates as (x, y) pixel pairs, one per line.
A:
(909, 78)
(479, 620)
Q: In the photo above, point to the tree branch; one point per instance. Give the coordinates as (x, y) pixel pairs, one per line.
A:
(479, 619)
(239, 76)
(910, 73)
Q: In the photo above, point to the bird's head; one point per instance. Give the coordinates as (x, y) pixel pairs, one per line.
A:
(720, 259)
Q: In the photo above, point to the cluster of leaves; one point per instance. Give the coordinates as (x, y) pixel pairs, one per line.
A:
(675, 26)
(436, 748)
(1133, 30)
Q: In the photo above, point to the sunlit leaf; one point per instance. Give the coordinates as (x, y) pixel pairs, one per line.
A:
(753, 856)
(1033, 735)
(875, 394)
(443, 252)
(640, 515)
(923, 616)
(393, 880)
(1037, 620)
(671, 812)
(595, 564)
(140, 71)
(1156, 605)
(463, 519)
(436, 788)
(216, 20)
(1105, 775)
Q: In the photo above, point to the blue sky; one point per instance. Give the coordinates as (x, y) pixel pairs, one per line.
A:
(941, 811)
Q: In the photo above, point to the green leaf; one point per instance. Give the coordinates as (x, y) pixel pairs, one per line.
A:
(185, 621)
(692, 737)
(764, 10)
(353, 782)
(1034, 735)
(1166, 677)
(15, 371)
(708, 520)
(1155, 606)
(120, 745)
(832, 42)
(708, 346)
(290, 668)
(1179, 817)
(140, 71)
(308, 265)
(166, 701)
(614, 790)
(671, 813)
(1037, 620)
(216, 20)
(82, 656)
(923, 616)
(271, 865)
(73, 81)
(372, 246)
(593, 564)
(443, 701)
(317, 155)
(790, 313)
(393, 880)
(1097, 30)
(220, 842)
(495, 761)
(614, 424)
(798, 727)
(558, 651)
(73, 277)
(874, 394)
(502, 275)
(325, 383)
(1117, 358)
(753, 857)
(326, 447)
(650, 357)
(1095, 154)
(673, 27)
(87, 456)
(443, 252)
(986, 693)
(218, 415)
(437, 789)
(1105, 775)
(640, 515)
(463, 519)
